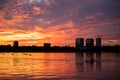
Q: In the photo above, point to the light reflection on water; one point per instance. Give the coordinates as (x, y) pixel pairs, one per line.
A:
(59, 66)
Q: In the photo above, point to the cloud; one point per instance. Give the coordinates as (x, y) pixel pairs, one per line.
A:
(58, 21)
(49, 34)
(38, 10)
(13, 15)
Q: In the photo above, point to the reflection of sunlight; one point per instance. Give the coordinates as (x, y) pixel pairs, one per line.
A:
(39, 65)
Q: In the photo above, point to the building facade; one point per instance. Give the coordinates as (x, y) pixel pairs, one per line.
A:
(89, 42)
(79, 42)
(15, 44)
(47, 45)
(98, 42)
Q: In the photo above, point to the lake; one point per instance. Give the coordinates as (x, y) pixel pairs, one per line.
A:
(59, 66)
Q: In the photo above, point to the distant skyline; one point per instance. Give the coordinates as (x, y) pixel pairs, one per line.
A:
(59, 22)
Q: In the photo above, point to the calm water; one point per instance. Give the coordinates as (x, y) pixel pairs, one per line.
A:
(59, 66)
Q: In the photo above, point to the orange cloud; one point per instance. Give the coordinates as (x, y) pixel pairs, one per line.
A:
(61, 34)
(111, 42)
(38, 10)
(54, 34)
(10, 35)
(15, 16)
(14, 20)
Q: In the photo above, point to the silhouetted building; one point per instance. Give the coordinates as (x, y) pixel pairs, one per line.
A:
(98, 42)
(47, 45)
(15, 44)
(79, 42)
(89, 42)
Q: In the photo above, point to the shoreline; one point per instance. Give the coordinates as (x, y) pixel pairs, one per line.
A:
(59, 49)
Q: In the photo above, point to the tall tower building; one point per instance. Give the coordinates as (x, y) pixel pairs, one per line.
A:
(98, 42)
(79, 42)
(15, 44)
(89, 42)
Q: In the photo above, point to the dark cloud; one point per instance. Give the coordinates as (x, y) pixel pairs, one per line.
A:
(2, 3)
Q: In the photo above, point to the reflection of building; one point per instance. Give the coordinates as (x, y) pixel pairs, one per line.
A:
(83, 62)
(15, 44)
(47, 45)
(89, 42)
(79, 42)
(98, 42)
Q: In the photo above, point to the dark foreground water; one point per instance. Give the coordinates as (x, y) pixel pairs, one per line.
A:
(59, 66)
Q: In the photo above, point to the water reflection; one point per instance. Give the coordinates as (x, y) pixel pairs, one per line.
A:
(58, 66)
(84, 63)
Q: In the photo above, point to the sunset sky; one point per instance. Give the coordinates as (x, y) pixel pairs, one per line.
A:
(34, 22)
